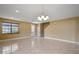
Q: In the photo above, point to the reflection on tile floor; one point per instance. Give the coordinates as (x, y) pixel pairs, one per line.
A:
(37, 46)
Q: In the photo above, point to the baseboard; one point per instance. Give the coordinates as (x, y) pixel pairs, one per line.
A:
(61, 40)
(15, 38)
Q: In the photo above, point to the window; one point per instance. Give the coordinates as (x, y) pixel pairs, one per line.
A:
(8, 28)
(15, 28)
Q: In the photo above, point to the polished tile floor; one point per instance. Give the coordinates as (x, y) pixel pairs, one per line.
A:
(37, 46)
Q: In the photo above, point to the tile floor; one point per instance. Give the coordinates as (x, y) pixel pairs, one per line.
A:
(37, 46)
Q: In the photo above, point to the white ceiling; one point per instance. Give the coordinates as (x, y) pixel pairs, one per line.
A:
(29, 12)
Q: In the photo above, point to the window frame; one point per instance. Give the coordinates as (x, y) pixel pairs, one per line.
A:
(11, 28)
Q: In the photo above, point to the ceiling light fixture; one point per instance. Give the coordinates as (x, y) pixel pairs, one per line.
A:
(17, 11)
(43, 16)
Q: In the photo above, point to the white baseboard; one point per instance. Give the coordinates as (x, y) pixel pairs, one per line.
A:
(61, 40)
(16, 38)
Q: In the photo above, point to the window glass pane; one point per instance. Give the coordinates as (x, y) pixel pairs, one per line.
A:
(6, 31)
(6, 28)
(14, 24)
(6, 24)
(14, 29)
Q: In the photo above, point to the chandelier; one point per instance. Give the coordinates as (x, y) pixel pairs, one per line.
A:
(43, 16)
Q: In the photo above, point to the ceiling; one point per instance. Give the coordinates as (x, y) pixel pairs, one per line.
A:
(29, 12)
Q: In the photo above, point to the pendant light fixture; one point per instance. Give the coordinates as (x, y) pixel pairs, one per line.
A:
(43, 16)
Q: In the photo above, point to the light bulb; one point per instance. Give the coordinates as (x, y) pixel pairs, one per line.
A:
(46, 18)
(39, 18)
(42, 17)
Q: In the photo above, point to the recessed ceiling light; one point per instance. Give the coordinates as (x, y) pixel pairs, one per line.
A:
(17, 11)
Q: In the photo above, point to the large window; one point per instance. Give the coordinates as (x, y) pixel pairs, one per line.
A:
(8, 28)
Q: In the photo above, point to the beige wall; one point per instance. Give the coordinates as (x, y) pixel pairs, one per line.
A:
(77, 30)
(25, 29)
(62, 29)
